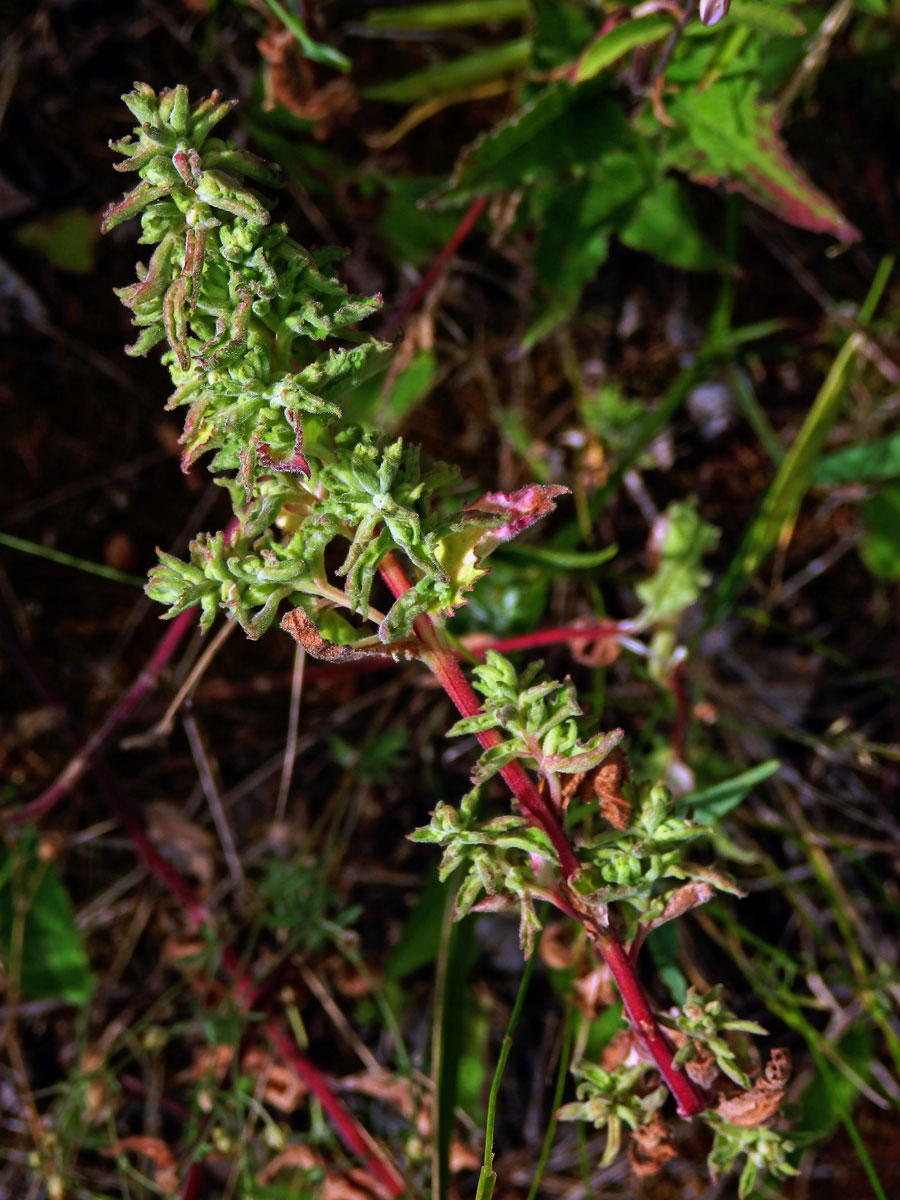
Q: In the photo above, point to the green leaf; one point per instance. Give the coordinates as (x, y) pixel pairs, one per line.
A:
(420, 940)
(576, 221)
(510, 599)
(65, 239)
(766, 18)
(54, 961)
(448, 14)
(639, 31)
(412, 235)
(561, 130)
(664, 946)
(309, 47)
(880, 548)
(709, 804)
(455, 76)
(559, 29)
(725, 133)
(664, 226)
(860, 464)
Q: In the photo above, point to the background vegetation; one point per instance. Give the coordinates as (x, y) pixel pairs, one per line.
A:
(672, 284)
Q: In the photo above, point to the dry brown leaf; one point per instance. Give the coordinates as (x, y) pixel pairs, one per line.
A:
(702, 1068)
(557, 947)
(383, 1085)
(650, 1148)
(303, 630)
(297, 1158)
(594, 991)
(165, 1173)
(616, 1051)
(282, 1087)
(289, 81)
(682, 900)
(189, 846)
(756, 1106)
(462, 1158)
(608, 780)
(355, 1184)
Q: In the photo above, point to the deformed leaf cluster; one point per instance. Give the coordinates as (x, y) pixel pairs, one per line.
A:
(261, 348)
(540, 719)
(611, 1100)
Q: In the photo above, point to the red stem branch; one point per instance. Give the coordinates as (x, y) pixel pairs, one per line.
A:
(437, 268)
(87, 755)
(439, 658)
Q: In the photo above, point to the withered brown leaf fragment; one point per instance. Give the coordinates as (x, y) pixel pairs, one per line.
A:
(650, 1147)
(607, 781)
(756, 1106)
(165, 1171)
(303, 630)
(682, 900)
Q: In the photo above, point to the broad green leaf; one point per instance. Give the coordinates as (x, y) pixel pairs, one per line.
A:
(411, 234)
(54, 961)
(860, 464)
(640, 31)
(573, 242)
(767, 18)
(726, 134)
(456, 75)
(664, 946)
(562, 130)
(510, 599)
(880, 548)
(449, 14)
(664, 226)
(709, 804)
(66, 239)
(560, 30)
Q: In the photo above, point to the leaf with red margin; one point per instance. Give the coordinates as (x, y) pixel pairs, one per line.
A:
(725, 134)
(480, 527)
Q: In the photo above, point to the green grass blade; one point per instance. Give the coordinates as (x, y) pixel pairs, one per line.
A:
(455, 76)
(457, 956)
(452, 14)
(70, 560)
(317, 51)
(561, 1074)
(487, 1178)
(781, 502)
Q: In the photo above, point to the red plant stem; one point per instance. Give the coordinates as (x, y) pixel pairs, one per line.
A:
(193, 1182)
(85, 758)
(476, 644)
(479, 643)
(440, 660)
(689, 1100)
(437, 268)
